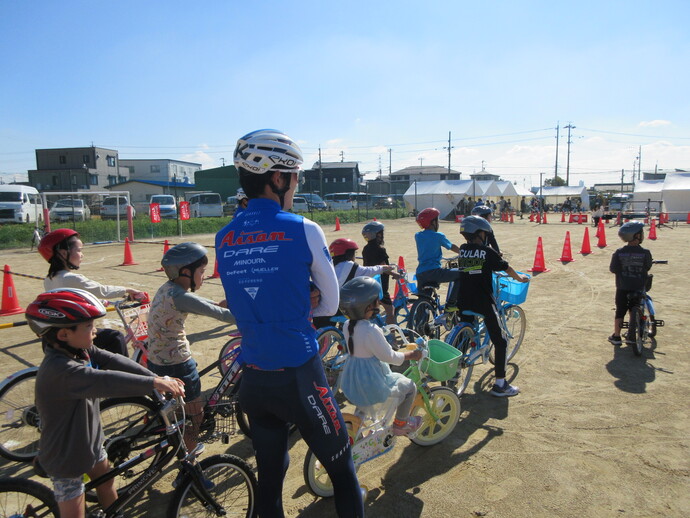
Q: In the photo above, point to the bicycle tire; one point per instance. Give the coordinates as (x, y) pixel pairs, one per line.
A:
(423, 313)
(650, 326)
(446, 405)
(462, 341)
(19, 419)
(22, 497)
(235, 489)
(316, 477)
(333, 351)
(635, 331)
(515, 326)
(225, 352)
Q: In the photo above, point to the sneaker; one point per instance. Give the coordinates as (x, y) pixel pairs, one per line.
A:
(411, 425)
(615, 340)
(505, 390)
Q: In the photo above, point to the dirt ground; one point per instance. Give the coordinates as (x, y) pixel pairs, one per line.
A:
(596, 431)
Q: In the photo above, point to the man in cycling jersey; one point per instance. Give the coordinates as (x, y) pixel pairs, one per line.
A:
(266, 260)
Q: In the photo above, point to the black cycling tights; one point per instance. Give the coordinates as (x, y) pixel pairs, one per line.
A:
(495, 335)
(298, 395)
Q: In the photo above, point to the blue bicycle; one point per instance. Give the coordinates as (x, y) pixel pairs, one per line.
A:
(643, 322)
(472, 339)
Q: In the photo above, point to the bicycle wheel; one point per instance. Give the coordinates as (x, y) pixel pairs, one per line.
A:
(234, 489)
(316, 477)
(421, 318)
(446, 405)
(515, 326)
(19, 420)
(635, 331)
(332, 350)
(462, 341)
(22, 497)
(225, 356)
(649, 325)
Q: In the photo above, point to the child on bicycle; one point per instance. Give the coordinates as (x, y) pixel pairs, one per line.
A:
(72, 378)
(477, 262)
(486, 212)
(374, 254)
(343, 253)
(62, 249)
(169, 352)
(631, 264)
(429, 242)
(366, 378)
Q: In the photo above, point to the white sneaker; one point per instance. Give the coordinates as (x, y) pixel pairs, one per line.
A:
(506, 390)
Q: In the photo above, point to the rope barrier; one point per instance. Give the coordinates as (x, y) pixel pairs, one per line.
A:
(25, 275)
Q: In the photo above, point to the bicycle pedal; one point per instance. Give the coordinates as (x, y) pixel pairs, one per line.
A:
(659, 323)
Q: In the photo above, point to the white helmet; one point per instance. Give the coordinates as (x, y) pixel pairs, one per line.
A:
(241, 194)
(267, 150)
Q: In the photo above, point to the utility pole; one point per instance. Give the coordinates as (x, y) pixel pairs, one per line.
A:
(622, 177)
(379, 167)
(567, 167)
(448, 148)
(321, 193)
(342, 156)
(558, 129)
(390, 171)
(639, 163)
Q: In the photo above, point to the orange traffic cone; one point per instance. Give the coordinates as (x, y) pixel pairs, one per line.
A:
(586, 247)
(10, 302)
(618, 220)
(166, 247)
(337, 223)
(215, 275)
(563, 217)
(543, 219)
(539, 265)
(601, 234)
(531, 217)
(129, 260)
(567, 255)
(652, 230)
(688, 218)
(403, 281)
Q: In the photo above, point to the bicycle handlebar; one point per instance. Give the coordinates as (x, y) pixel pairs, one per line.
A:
(660, 262)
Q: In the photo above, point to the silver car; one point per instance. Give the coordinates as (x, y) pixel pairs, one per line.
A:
(70, 209)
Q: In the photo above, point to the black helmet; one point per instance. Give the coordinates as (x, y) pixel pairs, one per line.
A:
(371, 229)
(629, 230)
(356, 295)
(473, 224)
(481, 210)
(185, 255)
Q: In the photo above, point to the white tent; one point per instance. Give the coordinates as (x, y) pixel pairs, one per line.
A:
(555, 195)
(648, 192)
(442, 194)
(676, 195)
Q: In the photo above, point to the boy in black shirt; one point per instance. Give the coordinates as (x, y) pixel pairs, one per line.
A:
(476, 263)
(630, 264)
(375, 254)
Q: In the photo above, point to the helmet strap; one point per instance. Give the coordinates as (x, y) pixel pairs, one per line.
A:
(281, 191)
(192, 284)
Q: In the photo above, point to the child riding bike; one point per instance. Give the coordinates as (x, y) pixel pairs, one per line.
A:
(486, 212)
(72, 378)
(631, 265)
(367, 379)
(375, 254)
(429, 242)
(477, 262)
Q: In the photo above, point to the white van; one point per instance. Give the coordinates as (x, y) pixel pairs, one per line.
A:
(205, 205)
(20, 204)
(340, 200)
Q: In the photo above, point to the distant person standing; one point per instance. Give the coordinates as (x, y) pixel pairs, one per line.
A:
(523, 207)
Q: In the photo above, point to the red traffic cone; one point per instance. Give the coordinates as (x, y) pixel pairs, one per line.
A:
(652, 230)
(166, 247)
(688, 218)
(373, 219)
(539, 265)
(511, 218)
(563, 217)
(586, 247)
(601, 234)
(403, 281)
(618, 220)
(538, 217)
(129, 260)
(10, 302)
(337, 224)
(567, 255)
(543, 219)
(215, 275)
(531, 217)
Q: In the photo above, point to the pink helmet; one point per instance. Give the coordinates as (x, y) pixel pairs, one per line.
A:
(425, 217)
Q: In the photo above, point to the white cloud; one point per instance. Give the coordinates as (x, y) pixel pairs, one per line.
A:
(206, 161)
(654, 124)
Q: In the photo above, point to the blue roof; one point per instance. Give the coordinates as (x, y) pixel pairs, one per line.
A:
(158, 183)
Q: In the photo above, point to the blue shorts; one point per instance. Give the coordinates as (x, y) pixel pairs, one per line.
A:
(186, 371)
(70, 488)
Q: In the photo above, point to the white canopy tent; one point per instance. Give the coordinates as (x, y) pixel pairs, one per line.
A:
(556, 195)
(442, 194)
(676, 195)
(648, 192)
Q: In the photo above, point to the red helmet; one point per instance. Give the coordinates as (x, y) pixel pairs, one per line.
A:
(64, 307)
(340, 246)
(425, 217)
(47, 245)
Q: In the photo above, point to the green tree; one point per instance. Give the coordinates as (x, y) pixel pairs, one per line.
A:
(554, 182)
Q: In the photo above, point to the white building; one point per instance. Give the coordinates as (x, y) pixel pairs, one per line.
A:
(161, 170)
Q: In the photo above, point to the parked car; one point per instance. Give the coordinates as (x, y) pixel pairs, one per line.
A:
(114, 205)
(314, 200)
(167, 204)
(300, 204)
(382, 202)
(70, 209)
(340, 200)
(229, 206)
(205, 205)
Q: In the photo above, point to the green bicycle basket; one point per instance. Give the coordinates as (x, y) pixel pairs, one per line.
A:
(442, 363)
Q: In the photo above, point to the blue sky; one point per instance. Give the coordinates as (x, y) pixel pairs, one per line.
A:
(184, 80)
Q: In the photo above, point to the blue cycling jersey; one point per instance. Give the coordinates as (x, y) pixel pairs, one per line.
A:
(429, 243)
(266, 259)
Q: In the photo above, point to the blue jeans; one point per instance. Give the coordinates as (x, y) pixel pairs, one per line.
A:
(186, 372)
(439, 275)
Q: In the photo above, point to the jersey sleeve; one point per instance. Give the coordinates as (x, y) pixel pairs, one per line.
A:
(322, 272)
